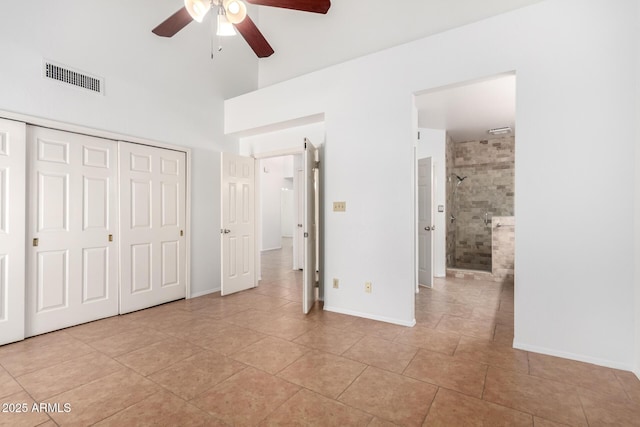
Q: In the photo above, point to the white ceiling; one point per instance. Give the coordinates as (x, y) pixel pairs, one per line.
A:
(467, 111)
(305, 42)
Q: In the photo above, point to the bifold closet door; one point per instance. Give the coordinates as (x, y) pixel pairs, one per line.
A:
(12, 223)
(152, 220)
(72, 248)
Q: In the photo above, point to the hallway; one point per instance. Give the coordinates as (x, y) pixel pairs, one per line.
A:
(278, 277)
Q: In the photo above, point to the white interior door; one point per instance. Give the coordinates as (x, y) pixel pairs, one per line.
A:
(425, 222)
(238, 223)
(152, 217)
(72, 272)
(310, 227)
(299, 231)
(12, 227)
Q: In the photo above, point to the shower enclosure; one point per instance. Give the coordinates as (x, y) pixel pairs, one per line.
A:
(480, 186)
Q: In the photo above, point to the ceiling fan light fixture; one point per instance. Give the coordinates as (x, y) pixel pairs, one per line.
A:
(236, 11)
(197, 8)
(225, 28)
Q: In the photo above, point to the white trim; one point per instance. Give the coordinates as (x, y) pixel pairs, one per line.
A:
(574, 356)
(279, 153)
(187, 225)
(370, 316)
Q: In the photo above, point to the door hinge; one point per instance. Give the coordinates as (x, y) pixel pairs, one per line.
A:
(317, 164)
(418, 135)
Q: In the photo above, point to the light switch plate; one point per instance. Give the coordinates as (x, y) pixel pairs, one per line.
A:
(339, 206)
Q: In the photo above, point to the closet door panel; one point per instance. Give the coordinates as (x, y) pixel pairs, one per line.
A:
(152, 213)
(12, 230)
(72, 260)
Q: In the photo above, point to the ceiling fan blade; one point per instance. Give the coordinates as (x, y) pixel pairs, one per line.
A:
(316, 6)
(254, 37)
(173, 24)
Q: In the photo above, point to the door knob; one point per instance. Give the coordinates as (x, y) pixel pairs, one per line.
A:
(299, 225)
(427, 228)
(225, 231)
(433, 228)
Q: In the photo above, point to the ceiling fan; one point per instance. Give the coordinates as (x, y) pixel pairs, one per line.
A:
(233, 14)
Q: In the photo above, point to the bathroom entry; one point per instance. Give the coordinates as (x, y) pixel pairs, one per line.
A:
(469, 132)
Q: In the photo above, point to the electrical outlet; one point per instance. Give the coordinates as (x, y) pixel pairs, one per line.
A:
(367, 287)
(339, 206)
(336, 284)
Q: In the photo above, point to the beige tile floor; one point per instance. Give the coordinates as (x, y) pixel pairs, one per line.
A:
(254, 359)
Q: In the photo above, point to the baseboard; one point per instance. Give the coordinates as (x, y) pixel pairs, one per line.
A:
(370, 316)
(573, 356)
(203, 293)
(271, 249)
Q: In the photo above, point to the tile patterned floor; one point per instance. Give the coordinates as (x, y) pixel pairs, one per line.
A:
(254, 359)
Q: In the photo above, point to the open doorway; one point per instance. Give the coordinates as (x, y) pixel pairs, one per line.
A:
(288, 225)
(467, 139)
(280, 223)
(468, 133)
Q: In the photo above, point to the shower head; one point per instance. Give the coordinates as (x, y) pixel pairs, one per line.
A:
(460, 179)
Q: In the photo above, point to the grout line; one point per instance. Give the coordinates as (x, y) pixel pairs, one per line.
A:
(621, 384)
(410, 362)
(337, 398)
(484, 383)
(431, 405)
(584, 413)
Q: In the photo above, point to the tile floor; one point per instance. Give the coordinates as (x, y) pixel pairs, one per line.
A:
(254, 359)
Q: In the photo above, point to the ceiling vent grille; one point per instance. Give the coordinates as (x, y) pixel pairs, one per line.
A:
(73, 77)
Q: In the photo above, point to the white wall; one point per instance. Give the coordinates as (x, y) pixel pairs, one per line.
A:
(575, 256)
(305, 42)
(287, 211)
(167, 90)
(432, 144)
(272, 181)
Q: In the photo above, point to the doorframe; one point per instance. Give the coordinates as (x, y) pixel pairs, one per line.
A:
(258, 230)
(119, 137)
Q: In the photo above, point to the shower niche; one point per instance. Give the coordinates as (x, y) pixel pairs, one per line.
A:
(480, 208)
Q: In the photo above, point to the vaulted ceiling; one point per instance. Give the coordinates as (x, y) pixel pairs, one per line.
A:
(305, 42)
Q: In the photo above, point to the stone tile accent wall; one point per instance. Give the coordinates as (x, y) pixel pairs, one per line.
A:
(503, 242)
(487, 191)
(502, 254)
(451, 226)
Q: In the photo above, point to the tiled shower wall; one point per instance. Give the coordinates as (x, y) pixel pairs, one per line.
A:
(487, 191)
